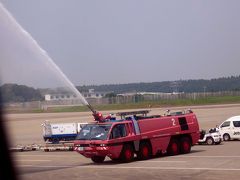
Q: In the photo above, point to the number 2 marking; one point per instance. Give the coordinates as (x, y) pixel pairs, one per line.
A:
(173, 122)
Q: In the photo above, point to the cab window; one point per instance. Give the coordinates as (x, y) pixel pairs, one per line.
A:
(225, 124)
(236, 123)
(118, 131)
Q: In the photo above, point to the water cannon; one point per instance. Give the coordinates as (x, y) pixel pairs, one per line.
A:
(97, 115)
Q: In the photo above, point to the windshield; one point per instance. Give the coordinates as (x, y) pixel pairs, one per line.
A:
(94, 132)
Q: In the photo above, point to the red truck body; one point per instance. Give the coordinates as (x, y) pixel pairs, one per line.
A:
(143, 135)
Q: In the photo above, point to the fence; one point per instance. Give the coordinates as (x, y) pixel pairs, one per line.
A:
(124, 99)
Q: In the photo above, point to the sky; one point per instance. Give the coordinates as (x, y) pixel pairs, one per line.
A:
(120, 41)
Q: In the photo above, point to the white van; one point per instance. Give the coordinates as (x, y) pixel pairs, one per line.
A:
(230, 129)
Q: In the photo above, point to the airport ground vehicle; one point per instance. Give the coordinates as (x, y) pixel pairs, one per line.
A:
(230, 129)
(210, 137)
(137, 133)
(61, 131)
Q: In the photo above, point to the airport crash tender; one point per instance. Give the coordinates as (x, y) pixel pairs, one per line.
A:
(137, 133)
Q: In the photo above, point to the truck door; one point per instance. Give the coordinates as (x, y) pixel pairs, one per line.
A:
(118, 131)
(236, 129)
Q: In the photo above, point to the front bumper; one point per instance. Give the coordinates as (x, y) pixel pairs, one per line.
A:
(112, 152)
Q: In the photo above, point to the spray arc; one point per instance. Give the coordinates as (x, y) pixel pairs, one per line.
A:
(33, 46)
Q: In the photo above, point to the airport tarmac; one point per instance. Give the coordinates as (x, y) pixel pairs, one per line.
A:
(204, 162)
(26, 128)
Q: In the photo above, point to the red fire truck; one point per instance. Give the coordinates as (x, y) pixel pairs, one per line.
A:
(138, 133)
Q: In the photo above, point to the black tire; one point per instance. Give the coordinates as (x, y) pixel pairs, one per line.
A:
(226, 137)
(173, 147)
(145, 151)
(115, 159)
(209, 141)
(127, 153)
(98, 159)
(185, 145)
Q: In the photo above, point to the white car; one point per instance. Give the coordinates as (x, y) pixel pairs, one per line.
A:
(230, 129)
(210, 137)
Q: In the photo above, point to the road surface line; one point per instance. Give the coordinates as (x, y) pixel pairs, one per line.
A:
(33, 160)
(207, 156)
(37, 155)
(47, 155)
(136, 167)
(162, 161)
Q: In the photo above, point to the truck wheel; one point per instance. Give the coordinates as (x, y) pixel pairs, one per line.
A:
(173, 147)
(226, 137)
(98, 159)
(127, 153)
(209, 141)
(145, 151)
(115, 159)
(185, 145)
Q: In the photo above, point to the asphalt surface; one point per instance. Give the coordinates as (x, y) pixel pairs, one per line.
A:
(204, 162)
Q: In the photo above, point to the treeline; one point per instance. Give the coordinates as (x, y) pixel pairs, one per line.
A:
(213, 85)
(19, 93)
(22, 93)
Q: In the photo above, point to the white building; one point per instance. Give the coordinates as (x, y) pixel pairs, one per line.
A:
(51, 97)
(90, 94)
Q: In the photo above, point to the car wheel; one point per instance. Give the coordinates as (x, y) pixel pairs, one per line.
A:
(210, 141)
(226, 137)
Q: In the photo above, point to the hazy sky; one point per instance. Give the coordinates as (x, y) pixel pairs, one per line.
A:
(123, 41)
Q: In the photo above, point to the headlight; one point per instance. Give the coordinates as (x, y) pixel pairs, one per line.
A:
(103, 145)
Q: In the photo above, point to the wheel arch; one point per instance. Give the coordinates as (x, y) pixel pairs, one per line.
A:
(227, 135)
(131, 143)
(148, 141)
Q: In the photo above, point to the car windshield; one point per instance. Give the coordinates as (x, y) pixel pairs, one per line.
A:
(94, 132)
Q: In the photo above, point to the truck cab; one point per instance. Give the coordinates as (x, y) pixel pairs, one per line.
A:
(97, 140)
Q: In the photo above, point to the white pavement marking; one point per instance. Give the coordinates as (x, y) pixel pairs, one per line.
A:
(34, 160)
(47, 155)
(69, 156)
(207, 156)
(161, 161)
(136, 167)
